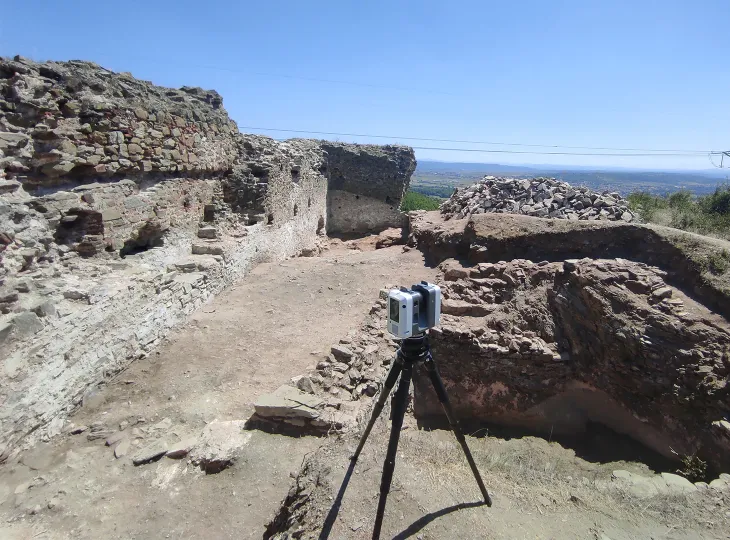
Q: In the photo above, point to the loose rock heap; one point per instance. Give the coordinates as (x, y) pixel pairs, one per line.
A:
(538, 197)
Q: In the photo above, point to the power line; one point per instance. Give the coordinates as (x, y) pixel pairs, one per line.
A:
(533, 152)
(394, 137)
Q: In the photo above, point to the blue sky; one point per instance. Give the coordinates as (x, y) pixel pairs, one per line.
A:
(627, 74)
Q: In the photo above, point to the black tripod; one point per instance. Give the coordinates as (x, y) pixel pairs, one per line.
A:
(413, 350)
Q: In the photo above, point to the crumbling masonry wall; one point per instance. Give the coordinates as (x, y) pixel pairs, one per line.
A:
(125, 206)
(366, 186)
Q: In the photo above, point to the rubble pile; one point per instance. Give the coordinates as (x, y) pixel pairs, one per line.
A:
(538, 197)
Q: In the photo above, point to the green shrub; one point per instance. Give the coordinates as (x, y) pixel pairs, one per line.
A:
(417, 201)
(718, 263)
(709, 214)
(645, 204)
(718, 203)
(680, 200)
(693, 469)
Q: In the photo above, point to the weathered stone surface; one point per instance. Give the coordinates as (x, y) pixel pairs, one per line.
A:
(122, 448)
(288, 402)
(340, 352)
(219, 445)
(27, 324)
(150, 452)
(678, 484)
(390, 237)
(207, 249)
(207, 232)
(181, 449)
(461, 307)
(120, 105)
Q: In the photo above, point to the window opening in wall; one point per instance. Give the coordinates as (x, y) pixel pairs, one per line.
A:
(149, 236)
(295, 176)
(296, 209)
(270, 219)
(309, 202)
(79, 225)
(320, 225)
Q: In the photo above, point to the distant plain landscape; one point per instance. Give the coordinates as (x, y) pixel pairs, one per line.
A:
(439, 178)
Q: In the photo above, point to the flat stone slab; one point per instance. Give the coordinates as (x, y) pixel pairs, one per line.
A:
(643, 487)
(219, 445)
(151, 452)
(289, 402)
(181, 449)
(678, 484)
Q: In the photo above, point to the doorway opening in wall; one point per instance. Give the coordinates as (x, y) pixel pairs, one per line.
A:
(320, 225)
(295, 175)
(270, 219)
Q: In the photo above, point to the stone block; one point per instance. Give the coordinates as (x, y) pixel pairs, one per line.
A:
(219, 445)
(111, 214)
(208, 232)
(181, 449)
(288, 402)
(342, 353)
(207, 249)
(678, 484)
(27, 324)
(150, 452)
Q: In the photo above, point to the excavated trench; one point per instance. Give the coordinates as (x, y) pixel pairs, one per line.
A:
(600, 355)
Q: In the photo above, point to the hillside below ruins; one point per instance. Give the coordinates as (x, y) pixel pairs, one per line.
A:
(125, 208)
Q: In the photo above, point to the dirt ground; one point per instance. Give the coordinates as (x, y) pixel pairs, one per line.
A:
(540, 490)
(269, 327)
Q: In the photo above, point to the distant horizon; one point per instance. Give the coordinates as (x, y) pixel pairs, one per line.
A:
(546, 166)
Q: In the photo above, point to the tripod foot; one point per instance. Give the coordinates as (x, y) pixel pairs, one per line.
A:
(443, 397)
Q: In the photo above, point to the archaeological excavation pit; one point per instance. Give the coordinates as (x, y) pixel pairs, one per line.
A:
(598, 354)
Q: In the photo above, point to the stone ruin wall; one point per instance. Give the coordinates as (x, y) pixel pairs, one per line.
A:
(97, 168)
(367, 183)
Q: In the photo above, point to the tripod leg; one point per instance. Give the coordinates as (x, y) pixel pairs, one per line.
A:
(443, 397)
(400, 404)
(395, 370)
